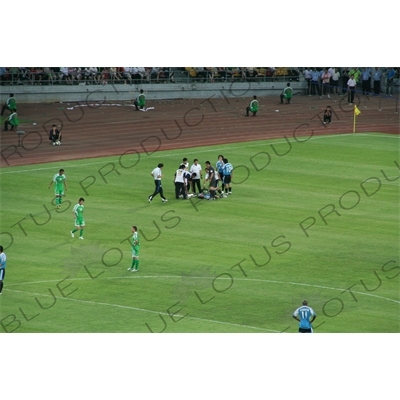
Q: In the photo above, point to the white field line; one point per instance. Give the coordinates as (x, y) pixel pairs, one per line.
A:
(143, 310)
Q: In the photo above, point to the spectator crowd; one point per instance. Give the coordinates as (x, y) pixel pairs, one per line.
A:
(84, 75)
(104, 75)
(339, 81)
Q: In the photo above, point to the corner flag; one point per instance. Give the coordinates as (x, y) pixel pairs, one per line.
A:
(356, 112)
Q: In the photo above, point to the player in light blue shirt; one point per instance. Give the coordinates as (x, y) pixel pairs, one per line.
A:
(228, 172)
(3, 261)
(306, 316)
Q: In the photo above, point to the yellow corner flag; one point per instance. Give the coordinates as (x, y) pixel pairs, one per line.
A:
(356, 112)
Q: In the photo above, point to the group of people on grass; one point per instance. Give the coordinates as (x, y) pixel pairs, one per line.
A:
(190, 179)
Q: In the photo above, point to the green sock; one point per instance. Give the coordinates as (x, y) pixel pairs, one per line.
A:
(137, 264)
(133, 263)
(80, 233)
(74, 230)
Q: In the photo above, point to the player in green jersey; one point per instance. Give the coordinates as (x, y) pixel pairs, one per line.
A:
(253, 107)
(12, 120)
(140, 102)
(135, 250)
(77, 212)
(60, 183)
(10, 104)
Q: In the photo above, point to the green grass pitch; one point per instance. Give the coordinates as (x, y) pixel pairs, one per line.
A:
(315, 220)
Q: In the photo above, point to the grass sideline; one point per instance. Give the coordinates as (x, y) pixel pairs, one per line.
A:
(306, 219)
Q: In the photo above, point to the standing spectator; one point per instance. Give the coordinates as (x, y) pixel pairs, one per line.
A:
(60, 183)
(315, 79)
(335, 81)
(351, 89)
(377, 75)
(55, 136)
(3, 262)
(307, 77)
(331, 71)
(345, 78)
(196, 169)
(325, 78)
(365, 81)
(287, 94)
(306, 316)
(157, 175)
(327, 115)
(228, 172)
(179, 181)
(357, 74)
(140, 101)
(390, 75)
(10, 104)
(135, 250)
(12, 120)
(253, 107)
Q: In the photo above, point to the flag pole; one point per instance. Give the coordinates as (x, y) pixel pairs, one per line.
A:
(354, 119)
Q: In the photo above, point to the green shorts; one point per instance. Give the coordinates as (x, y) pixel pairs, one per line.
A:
(59, 192)
(79, 222)
(135, 251)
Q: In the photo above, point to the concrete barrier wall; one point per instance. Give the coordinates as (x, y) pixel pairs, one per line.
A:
(121, 92)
